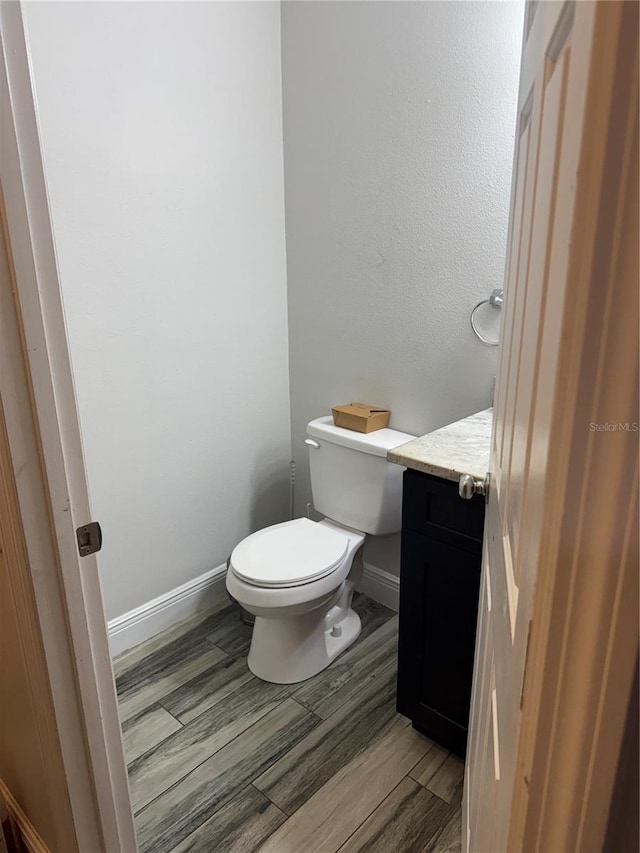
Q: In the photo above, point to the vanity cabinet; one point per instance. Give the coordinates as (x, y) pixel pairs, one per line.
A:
(439, 588)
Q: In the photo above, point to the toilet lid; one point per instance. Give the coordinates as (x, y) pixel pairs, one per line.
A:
(289, 554)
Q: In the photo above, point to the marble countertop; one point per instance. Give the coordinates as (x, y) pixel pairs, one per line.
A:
(458, 448)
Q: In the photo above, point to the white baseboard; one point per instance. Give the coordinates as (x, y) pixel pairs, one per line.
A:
(155, 616)
(381, 586)
(149, 619)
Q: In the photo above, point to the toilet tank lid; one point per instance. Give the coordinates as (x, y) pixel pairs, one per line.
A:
(377, 443)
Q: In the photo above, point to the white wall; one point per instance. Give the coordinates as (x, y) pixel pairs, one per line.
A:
(161, 127)
(399, 124)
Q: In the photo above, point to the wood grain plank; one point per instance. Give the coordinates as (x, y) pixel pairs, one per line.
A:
(430, 764)
(408, 820)
(335, 811)
(450, 839)
(207, 689)
(146, 730)
(231, 634)
(240, 826)
(147, 682)
(179, 754)
(198, 625)
(446, 782)
(180, 810)
(372, 614)
(315, 759)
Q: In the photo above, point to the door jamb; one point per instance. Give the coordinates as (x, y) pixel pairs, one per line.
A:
(73, 624)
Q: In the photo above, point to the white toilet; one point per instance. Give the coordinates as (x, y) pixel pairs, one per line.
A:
(298, 577)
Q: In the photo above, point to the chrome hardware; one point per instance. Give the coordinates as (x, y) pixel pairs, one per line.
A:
(495, 301)
(312, 443)
(89, 538)
(497, 298)
(468, 486)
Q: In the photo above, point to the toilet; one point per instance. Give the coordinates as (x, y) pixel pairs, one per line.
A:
(298, 578)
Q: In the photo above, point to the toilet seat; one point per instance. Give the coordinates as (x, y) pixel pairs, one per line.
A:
(289, 554)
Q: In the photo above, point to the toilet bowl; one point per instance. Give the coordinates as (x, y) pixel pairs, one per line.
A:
(298, 578)
(301, 598)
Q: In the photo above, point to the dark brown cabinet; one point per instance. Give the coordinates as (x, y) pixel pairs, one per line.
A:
(439, 586)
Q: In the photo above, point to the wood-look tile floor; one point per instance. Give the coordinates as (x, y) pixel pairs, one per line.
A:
(220, 761)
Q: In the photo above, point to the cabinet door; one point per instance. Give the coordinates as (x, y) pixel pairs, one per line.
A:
(432, 506)
(438, 611)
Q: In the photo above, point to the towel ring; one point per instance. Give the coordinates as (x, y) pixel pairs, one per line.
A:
(495, 300)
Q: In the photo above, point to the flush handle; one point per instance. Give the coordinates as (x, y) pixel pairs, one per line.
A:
(468, 486)
(312, 443)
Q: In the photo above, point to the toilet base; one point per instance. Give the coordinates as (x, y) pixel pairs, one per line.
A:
(286, 651)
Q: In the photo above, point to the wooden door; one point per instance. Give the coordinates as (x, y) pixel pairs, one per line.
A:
(577, 111)
(32, 772)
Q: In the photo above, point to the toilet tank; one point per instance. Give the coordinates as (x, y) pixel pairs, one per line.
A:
(351, 481)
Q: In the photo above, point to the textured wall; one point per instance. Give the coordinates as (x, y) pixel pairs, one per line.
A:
(399, 126)
(162, 139)
(161, 128)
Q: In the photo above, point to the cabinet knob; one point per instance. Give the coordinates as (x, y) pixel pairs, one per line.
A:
(468, 486)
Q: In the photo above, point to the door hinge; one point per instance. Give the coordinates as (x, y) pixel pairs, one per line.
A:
(89, 538)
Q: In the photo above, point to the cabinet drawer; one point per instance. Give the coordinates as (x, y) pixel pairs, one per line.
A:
(433, 506)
